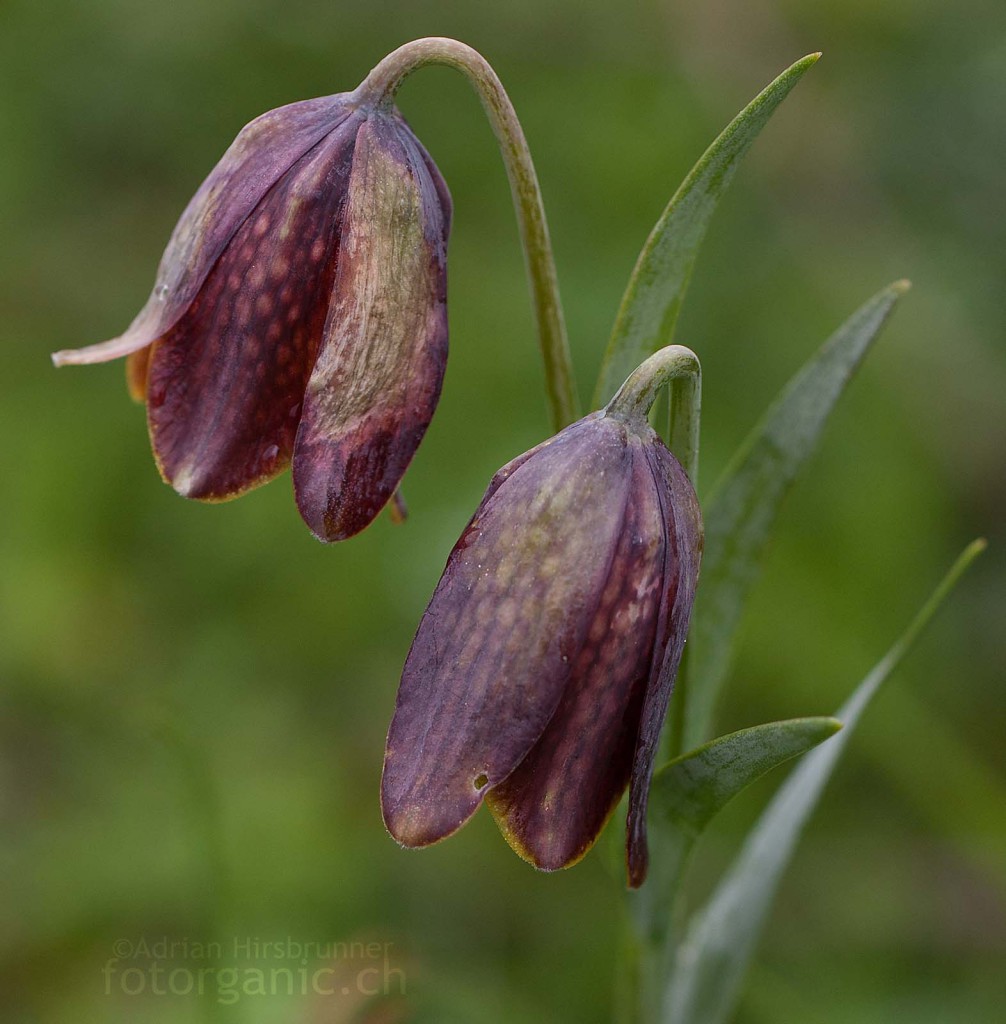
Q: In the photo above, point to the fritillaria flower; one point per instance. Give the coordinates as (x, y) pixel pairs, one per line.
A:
(540, 674)
(299, 314)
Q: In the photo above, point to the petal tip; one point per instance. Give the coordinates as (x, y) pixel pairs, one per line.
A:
(336, 500)
(407, 830)
(135, 338)
(418, 814)
(637, 863)
(327, 524)
(184, 481)
(413, 825)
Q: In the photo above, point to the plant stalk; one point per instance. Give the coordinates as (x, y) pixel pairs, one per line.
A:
(383, 82)
(678, 368)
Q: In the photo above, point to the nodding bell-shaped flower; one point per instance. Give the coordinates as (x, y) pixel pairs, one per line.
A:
(299, 314)
(540, 674)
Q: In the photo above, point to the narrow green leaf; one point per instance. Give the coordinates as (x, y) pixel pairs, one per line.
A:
(740, 512)
(693, 788)
(720, 940)
(650, 306)
(688, 792)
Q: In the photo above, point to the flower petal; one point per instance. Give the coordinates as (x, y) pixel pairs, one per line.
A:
(552, 807)
(225, 384)
(495, 648)
(682, 555)
(381, 365)
(262, 152)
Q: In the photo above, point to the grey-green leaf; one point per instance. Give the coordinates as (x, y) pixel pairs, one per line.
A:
(720, 940)
(693, 788)
(650, 306)
(688, 792)
(742, 508)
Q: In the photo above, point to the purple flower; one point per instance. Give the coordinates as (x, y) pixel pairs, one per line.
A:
(540, 674)
(299, 314)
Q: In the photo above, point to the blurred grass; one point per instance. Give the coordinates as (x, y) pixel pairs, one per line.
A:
(125, 611)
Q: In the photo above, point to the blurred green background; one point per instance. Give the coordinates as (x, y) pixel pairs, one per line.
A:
(194, 698)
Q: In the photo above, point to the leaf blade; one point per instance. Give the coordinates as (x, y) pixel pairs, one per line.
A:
(740, 512)
(688, 792)
(711, 960)
(693, 788)
(656, 289)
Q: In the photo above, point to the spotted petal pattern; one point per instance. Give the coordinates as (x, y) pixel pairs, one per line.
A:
(539, 677)
(497, 645)
(552, 807)
(299, 312)
(225, 384)
(262, 153)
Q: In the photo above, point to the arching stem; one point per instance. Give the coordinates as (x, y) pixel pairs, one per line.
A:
(381, 85)
(679, 368)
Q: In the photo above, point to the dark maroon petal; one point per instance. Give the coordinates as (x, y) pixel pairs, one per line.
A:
(682, 555)
(225, 384)
(381, 365)
(552, 807)
(503, 630)
(262, 152)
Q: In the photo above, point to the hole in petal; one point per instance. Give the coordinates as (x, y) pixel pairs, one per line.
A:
(481, 780)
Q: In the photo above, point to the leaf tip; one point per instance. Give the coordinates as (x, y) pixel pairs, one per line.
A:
(975, 548)
(803, 64)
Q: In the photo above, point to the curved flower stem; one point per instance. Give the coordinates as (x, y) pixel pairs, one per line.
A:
(383, 82)
(679, 368)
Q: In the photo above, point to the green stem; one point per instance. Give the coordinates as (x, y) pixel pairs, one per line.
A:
(383, 83)
(679, 368)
